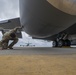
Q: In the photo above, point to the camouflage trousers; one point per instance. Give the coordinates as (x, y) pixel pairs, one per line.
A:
(4, 43)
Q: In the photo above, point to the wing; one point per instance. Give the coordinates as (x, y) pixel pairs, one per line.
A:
(10, 24)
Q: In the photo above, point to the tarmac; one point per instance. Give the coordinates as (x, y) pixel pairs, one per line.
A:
(38, 61)
(38, 51)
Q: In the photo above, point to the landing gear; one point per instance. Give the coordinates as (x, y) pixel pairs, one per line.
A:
(61, 41)
(67, 42)
(55, 43)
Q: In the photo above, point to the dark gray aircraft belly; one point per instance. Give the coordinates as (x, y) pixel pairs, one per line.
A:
(41, 19)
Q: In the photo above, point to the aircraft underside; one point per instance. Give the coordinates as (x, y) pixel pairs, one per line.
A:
(46, 20)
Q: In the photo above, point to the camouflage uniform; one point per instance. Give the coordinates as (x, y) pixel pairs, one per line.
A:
(6, 37)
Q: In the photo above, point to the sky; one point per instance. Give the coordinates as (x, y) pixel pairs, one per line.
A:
(10, 9)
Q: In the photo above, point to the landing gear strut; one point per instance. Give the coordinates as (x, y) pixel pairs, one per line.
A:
(61, 41)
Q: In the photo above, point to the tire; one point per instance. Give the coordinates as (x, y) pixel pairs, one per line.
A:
(61, 43)
(55, 43)
(67, 42)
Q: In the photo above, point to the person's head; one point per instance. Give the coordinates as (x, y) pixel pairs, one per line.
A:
(13, 35)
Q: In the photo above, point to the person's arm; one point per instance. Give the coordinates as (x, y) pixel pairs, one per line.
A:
(16, 28)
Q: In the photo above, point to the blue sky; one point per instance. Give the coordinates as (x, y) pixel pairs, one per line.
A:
(10, 9)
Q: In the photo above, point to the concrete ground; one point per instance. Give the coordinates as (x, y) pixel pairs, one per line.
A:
(38, 61)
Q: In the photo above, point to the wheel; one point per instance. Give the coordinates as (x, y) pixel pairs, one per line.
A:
(55, 44)
(61, 43)
(67, 42)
